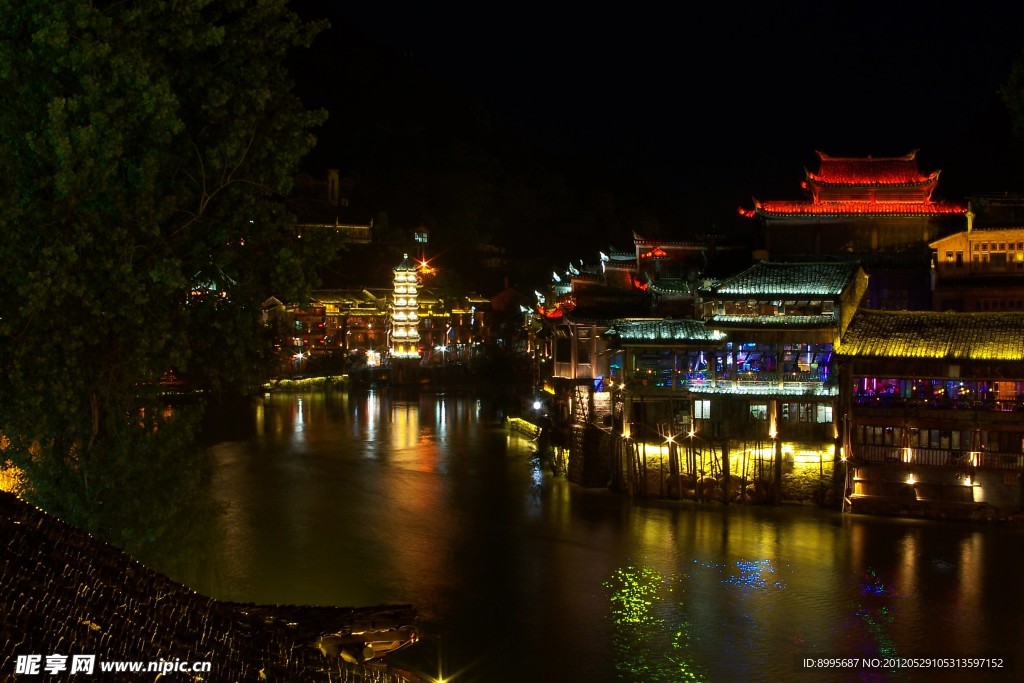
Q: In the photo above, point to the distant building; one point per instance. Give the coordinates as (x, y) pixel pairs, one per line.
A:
(325, 205)
(982, 268)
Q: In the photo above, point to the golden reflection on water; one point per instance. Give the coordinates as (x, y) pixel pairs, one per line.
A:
(401, 500)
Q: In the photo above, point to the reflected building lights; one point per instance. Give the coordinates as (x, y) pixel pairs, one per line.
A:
(440, 417)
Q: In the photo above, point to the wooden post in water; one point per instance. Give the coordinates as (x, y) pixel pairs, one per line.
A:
(643, 470)
(726, 474)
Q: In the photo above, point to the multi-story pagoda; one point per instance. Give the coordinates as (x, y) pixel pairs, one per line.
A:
(879, 210)
(405, 335)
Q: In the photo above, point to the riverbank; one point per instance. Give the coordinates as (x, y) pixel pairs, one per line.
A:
(290, 385)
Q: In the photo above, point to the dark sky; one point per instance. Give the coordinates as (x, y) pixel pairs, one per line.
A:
(729, 100)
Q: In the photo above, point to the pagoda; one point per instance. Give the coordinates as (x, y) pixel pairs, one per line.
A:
(878, 210)
(405, 335)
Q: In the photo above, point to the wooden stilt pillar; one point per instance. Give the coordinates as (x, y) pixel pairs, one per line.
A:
(726, 474)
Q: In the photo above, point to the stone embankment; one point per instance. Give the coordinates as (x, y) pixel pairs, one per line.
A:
(62, 592)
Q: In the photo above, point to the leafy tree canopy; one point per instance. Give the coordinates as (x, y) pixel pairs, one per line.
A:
(147, 144)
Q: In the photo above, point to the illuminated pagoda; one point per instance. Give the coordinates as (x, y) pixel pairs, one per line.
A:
(405, 335)
(879, 210)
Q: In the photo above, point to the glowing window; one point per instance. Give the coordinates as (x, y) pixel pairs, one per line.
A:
(702, 410)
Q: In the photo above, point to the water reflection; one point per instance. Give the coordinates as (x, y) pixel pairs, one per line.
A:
(378, 498)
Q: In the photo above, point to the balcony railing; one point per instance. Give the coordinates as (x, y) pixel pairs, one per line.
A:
(1012, 405)
(939, 457)
(750, 382)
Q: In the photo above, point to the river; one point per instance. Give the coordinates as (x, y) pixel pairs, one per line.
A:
(373, 498)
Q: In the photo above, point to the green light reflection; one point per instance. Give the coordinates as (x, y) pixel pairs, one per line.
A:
(648, 647)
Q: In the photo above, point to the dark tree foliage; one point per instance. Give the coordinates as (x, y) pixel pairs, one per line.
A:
(147, 144)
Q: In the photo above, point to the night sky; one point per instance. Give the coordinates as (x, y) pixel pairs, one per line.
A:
(707, 106)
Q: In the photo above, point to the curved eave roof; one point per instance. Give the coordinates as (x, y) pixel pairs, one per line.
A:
(787, 280)
(667, 331)
(405, 266)
(827, 209)
(855, 178)
(942, 336)
(640, 240)
(890, 171)
(622, 256)
(772, 322)
(670, 287)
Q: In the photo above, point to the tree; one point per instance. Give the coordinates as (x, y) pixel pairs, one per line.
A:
(147, 144)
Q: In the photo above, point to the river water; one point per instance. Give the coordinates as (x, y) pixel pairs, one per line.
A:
(374, 498)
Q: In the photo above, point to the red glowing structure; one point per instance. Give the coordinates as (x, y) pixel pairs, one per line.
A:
(862, 186)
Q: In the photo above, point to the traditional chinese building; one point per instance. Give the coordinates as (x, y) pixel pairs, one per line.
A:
(751, 380)
(932, 405)
(880, 210)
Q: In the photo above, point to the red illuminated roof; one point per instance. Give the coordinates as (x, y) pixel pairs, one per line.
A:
(862, 186)
(870, 171)
(784, 208)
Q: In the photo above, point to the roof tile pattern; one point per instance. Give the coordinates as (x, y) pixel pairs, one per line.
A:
(780, 208)
(779, 280)
(920, 334)
(61, 589)
(774, 321)
(658, 331)
(870, 171)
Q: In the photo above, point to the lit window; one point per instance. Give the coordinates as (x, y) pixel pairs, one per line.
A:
(702, 410)
(949, 257)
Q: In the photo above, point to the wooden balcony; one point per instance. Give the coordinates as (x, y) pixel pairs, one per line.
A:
(941, 410)
(939, 457)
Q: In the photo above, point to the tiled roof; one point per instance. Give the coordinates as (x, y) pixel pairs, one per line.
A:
(772, 321)
(662, 331)
(870, 171)
(64, 587)
(953, 336)
(670, 285)
(622, 255)
(780, 208)
(767, 279)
